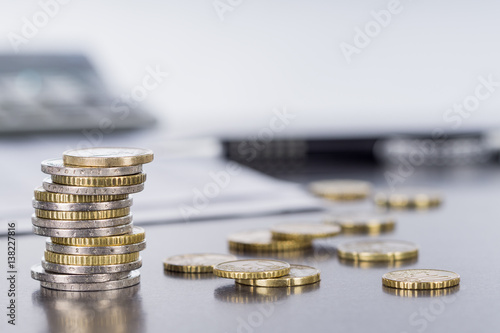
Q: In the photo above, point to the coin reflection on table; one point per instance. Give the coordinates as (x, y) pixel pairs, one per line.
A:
(189, 276)
(378, 264)
(421, 293)
(112, 311)
(242, 294)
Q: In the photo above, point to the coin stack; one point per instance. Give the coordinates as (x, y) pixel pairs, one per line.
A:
(85, 208)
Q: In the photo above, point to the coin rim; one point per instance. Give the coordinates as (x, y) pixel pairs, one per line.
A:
(94, 250)
(82, 206)
(133, 279)
(87, 171)
(420, 285)
(146, 156)
(83, 233)
(80, 224)
(73, 269)
(284, 281)
(50, 186)
(252, 275)
(40, 274)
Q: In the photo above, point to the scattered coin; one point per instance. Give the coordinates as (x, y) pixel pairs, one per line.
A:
(94, 250)
(136, 236)
(50, 186)
(81, 207)
(252, 269)
(341, 190)
(408, 198)
(304, 231)
(80, 224)
(100, 181)
(85, 215)
(131, 280)
(360, 223)
(420, 279)
(40, 274)
(57, 167)
(105, 269)
(377, 250)
(262, 241)
(88, 232)
(299, 275)
(107, 157)
(196, 263)
(42, 195)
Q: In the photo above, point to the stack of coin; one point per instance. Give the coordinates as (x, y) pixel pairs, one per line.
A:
(267, 273)
(85, 208)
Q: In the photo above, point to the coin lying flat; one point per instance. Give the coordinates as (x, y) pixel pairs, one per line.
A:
(111, 181)
(359, 223)
(80, 224)
(90, 260)
(377, 250)
(80, 207)
(90, 232)
(136, 236)
(304, 231)
(262, 241)
(299, 275)
(408, 198)
(106, 269)
(94, 250)
(50, 186)
(57, 167)
(195, 263)
(252, 269)
(107, 157)
(42, 195)
(40, 274)
(133, 279)
(420, 279)
(337, 189)
(85, 215)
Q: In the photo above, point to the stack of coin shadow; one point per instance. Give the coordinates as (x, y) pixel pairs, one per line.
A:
(84, 207)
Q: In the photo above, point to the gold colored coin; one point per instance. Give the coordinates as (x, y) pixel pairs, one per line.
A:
(138, 235)
(252, 269)
(85, 215)
(377, 250)
(299, 275)
(42, 195)
(195, 263)
(420, 279)
(90, 260)
(100, 181)
(341, 190)
(408, 198)
(304, 231)
(415, 293)
(363, 223)
(107, 157)
(262, 241)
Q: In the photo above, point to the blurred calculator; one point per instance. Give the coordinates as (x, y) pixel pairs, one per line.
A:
(41, 93)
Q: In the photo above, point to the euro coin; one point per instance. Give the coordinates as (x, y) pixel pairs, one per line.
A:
(299, 275)
(86, 215)
(89, 232)
(89, 260)
(377, 250)
(50, 186)
(195, 263)
(57, 167)
(136, 236)
(100, 181)
(80, 207)
(408, 198)
(42, 195)
(106, 269)
(342, 190)
(40, 274)
(304, 231)
(252, 269)
(131, 280)
(94, 250)
(107, 157)
(80, 224)
(361, 223)
(262, 241)
(420, 279)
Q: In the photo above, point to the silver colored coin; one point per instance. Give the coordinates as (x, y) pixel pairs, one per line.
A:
(38, 273)
(80, 224)
(133, 279)
(82, 206)
(106, 269)
(56, 167)
(90, 232)
(94, 250)
(50, 186)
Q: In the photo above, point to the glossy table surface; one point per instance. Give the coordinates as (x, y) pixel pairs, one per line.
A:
(461, 235)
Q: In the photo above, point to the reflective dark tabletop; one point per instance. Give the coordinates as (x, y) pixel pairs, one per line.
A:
(461, 235)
